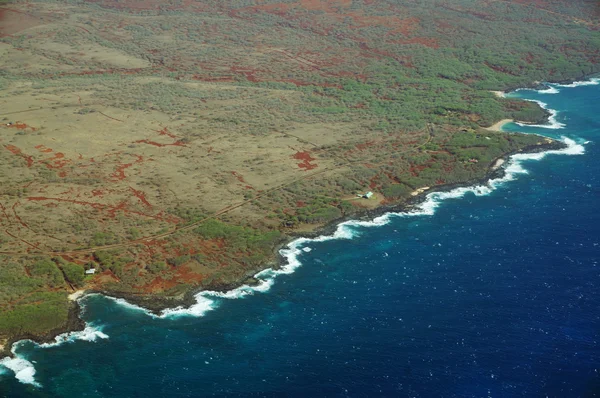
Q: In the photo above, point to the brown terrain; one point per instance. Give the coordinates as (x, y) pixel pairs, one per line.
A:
(173, 146)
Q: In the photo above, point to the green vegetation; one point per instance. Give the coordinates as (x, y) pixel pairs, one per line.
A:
(27, 305)
(74, 273)
(238, 238)
(225, 125)
(110, 260)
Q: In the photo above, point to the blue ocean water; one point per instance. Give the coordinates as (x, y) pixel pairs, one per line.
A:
(493, 294)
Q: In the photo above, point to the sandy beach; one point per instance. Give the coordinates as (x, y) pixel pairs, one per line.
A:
(498, 126)
(75, 295)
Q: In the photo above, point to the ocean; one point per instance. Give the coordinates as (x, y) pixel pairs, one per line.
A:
(489, 291)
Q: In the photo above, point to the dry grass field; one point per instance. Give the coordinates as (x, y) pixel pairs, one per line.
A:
(173, 145)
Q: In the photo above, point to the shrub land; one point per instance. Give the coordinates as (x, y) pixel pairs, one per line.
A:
(166, 147)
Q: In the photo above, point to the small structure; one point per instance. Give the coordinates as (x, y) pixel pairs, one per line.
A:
(368, 195)
(90, 271)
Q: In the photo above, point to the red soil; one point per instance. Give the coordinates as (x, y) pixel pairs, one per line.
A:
(43, 149)
(306, 160)
(21, 126)
(238, 176)
(158, 144)
(111, 210)
(18, 152)
(119, 173)
(141, 196)
(165, 131)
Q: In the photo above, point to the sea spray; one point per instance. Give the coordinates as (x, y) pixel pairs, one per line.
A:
(552, 88)
(89, 333)
(24, 370)
(207, 300)
(552, 122)
(591, 82)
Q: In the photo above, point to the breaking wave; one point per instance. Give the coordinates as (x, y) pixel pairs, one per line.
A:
(549, 90)
(552, 88)
(90, 333)
(209, 300)
(592, 82)
(552, 122)
(24, 370)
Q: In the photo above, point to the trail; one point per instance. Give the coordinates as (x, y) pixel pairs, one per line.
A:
(227, 209)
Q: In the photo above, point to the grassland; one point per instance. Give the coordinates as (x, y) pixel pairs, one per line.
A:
(172, 146)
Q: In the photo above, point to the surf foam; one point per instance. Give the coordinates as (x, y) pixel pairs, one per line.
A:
(549, 90)
(89, 333)
(594, 81)
(23, 369)
(552, 122)
(207, 300)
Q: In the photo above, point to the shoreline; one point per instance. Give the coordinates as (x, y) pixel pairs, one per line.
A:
(156, 304)
(74, 324)
(498, 125)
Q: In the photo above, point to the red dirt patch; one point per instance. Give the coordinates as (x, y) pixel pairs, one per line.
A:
(43, 149)
(239, 177)
(141, 196)
(119, 173)
(21, 126)
(158, 144)
(306, 160)
(18, 152)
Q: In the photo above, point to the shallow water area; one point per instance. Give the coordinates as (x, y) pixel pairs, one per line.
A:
(483, 291)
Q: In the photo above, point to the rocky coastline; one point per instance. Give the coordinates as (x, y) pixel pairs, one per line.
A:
(157, 303)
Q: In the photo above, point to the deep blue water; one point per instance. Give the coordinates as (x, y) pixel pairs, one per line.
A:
(492, 296)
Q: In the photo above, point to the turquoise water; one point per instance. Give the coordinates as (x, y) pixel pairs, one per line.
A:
(484, 292)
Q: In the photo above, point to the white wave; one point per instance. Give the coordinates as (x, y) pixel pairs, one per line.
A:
(23, 369)
(552, 122)
(592, 82)
(549, 90)
(126, 304)
(89, 333)
(202, 306)
(206, 300)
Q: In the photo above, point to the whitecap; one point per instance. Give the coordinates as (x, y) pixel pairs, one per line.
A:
(202, 306)
(23, 369)
(207, 300)
(552, 122)
(591, 82)
(549, 90)
(89, 333)
(126, 304)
